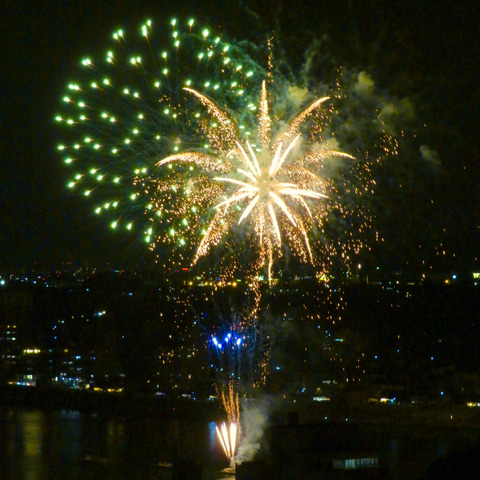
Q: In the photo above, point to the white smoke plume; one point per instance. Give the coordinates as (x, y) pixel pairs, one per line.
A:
(253, 421)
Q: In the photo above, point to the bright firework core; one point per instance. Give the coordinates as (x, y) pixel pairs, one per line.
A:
(228, 337)
(263, 187)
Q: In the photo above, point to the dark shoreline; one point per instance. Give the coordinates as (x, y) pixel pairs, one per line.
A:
(48, 398)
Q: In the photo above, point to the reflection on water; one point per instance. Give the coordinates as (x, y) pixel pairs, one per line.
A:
(212, 437)
(32, 428)
(35, 445)
(392, 459)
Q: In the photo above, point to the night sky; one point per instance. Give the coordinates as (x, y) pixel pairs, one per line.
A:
(413, 49)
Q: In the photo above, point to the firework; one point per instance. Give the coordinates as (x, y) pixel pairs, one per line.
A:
(126, 109)
(272, 180)
(234, 366)
(227, 384)
(233, 370)
(228, 440)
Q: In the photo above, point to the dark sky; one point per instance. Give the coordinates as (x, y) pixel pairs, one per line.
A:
(415, 49)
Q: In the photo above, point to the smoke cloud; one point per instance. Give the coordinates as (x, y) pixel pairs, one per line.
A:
(364, 83)
(254, 421)
(430, 155)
